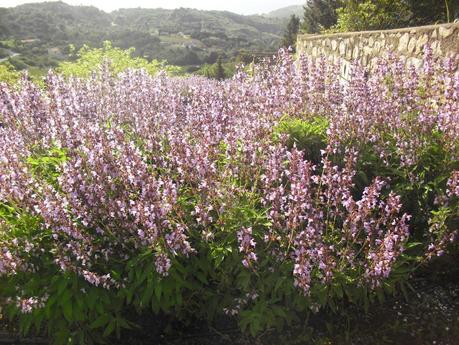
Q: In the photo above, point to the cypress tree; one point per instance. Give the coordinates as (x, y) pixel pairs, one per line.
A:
(320, 15)
(220, 72)
(291, 32)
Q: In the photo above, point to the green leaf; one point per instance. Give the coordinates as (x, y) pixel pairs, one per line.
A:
(413, 244)
(155, 307)
(179, 298)
(201, 277)
(123, 323)
(110, 328)
(101, 321)
(158, 290)
(146, 296)
(67, 308)
(279, 283)
(380, 295)
(254, 326)
(91, 298)
(338, 290)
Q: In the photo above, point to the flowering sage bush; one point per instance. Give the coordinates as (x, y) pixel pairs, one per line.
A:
(279, 192)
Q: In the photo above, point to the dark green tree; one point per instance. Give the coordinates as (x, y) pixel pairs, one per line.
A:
(433, 11)
(291, 33)
(361, 15)
(320, 15)
(220, 71)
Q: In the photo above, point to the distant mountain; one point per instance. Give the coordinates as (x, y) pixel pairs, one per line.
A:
(286, 12)
(182, 36)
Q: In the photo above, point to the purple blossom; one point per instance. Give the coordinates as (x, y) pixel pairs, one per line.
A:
(162, 264)
(247, 246)
(151, 159)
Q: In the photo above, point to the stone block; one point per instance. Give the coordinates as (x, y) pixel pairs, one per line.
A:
(314, 51)
(421, 42)
(436, 48)
(371, 41)
(334, 45)
(417, 63)
(364, 60)
(412, 45)
(367, 50)
(355, 53)
(403, 42)
(342, 48)
(445, 32)
(349, 53)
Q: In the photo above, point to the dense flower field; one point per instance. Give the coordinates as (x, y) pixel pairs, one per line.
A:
(283, 190)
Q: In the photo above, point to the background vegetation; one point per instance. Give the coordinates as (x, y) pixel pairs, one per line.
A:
(41, 33)
(358, 15)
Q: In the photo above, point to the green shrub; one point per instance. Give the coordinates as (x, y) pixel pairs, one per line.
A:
(310, 136)
(88, 60)
(8, 74)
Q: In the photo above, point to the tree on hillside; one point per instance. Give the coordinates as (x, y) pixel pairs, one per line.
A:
(360, 15)
(433, 11)
(320, 15)
(291, 33)
(220, 71)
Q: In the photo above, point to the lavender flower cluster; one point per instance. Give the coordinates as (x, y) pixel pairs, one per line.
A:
(139, 149)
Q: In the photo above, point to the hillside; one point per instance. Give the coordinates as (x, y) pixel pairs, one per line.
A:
(42, 32)
(286, 12)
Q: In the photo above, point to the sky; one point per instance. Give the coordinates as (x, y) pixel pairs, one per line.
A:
(237, 6)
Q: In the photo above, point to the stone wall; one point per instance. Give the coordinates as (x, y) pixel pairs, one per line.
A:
(367, 46)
